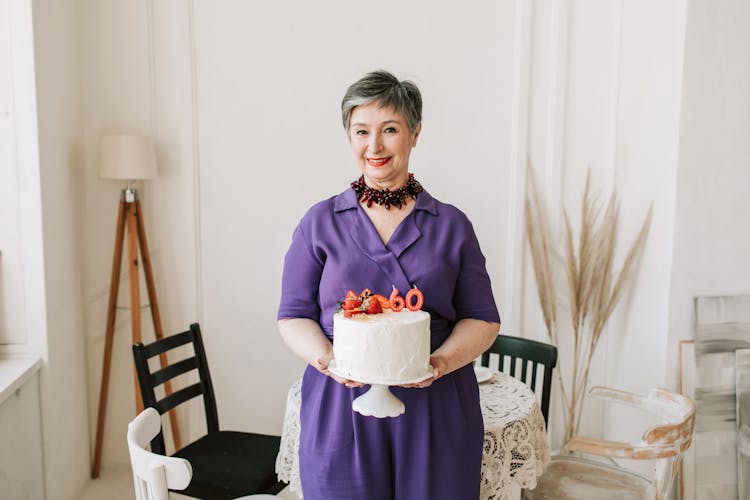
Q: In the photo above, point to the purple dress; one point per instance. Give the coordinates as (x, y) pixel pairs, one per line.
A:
(434, 450)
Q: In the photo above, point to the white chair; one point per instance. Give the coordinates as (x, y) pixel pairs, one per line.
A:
(154, 475)
(580, 478)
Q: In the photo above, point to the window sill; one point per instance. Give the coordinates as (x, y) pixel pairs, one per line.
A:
(15, 370)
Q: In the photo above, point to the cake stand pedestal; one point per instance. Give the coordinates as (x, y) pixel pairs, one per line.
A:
(378, 401)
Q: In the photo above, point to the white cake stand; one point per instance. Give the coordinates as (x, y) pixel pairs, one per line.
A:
(378, 401)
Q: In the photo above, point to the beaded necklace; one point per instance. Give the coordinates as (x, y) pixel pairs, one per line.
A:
(386, 197)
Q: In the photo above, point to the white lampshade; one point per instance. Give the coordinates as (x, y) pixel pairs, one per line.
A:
(125, 156)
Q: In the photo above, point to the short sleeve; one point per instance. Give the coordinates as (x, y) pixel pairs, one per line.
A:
(300, 280)
(473, 294)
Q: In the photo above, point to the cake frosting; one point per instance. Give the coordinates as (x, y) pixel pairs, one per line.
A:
(387, 348)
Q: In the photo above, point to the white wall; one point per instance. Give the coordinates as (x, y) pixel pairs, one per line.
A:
(12, 330)
(711, 242)
(591, 107)
(231, 116)
(63, 379)
(43, 212)
(117, 97)
(269, 87)
(243, 99)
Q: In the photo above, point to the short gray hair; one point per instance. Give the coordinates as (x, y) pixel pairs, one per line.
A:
(382, 86)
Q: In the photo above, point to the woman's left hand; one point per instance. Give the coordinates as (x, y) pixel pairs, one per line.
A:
(469, 339)
(439, 368)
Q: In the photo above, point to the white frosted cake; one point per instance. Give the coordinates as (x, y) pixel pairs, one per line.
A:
(386, 348)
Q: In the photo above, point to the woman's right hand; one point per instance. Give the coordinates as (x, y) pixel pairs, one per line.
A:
(322, 367)
(305, 337)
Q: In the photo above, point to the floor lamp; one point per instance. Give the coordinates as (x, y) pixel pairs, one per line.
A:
(130, 158)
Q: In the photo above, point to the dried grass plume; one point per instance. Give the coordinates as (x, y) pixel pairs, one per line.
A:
(592, 286)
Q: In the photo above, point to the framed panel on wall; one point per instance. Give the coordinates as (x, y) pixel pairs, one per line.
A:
(720, 380)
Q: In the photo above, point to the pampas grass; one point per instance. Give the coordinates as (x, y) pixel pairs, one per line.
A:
(592, 286)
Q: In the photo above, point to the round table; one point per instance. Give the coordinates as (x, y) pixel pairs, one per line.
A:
(515, 438)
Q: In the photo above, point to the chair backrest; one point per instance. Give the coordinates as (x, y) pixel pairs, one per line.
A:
(530, 352)
(153, 475)
(148, 381)
(664, 443)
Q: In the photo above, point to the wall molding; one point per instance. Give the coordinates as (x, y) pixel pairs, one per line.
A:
(196, 163)
(550, 46)
(516, 256)
(554, 169)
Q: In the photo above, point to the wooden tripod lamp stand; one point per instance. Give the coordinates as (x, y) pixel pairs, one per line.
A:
(128, 157)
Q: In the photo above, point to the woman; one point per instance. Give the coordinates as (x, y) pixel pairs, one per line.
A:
(382, 232)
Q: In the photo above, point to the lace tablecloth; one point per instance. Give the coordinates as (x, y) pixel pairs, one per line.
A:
(515, 438)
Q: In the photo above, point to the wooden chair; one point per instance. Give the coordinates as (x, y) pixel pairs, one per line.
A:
(530, 352)
(580, 478)
(226, 464)
(153, 475)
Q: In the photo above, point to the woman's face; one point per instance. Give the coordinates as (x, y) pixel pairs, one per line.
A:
(381, 142)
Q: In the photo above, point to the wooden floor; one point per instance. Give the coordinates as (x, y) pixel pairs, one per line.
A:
(116, 483)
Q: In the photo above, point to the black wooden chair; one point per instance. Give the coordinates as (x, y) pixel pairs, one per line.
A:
(530, 352)
(226, 464)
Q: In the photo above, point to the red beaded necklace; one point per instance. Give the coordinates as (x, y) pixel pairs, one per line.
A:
(386, 197)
